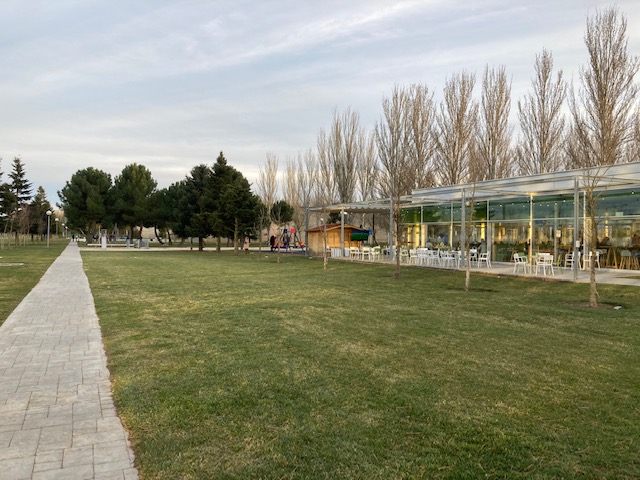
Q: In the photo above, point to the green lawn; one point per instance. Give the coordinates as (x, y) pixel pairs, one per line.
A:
(21, 269)
(235, 367)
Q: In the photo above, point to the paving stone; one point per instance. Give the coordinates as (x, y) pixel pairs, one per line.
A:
(57, 418)
(5, 439)
(26, 439)
(78, 456)
(50, 456)
(17, 468)
(46, 466)
(77, 472)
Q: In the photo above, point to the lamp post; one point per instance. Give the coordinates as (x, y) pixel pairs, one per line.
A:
(64, 230)
(57, 223)
(48, 226)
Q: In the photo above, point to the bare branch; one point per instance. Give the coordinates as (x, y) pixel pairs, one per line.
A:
(602, 108)
(540, 149)
(493, 139)
(455, 128)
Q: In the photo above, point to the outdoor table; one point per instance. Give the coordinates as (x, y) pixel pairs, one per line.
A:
(612, 257)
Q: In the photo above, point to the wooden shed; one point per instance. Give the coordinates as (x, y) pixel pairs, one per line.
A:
(333, 237)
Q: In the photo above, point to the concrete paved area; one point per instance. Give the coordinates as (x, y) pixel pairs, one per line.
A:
(610, 276)
(57, 418)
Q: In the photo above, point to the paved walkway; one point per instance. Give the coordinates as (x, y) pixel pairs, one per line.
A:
(610, 276)
(57, 418)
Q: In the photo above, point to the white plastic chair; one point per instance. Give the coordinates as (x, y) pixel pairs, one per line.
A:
(544, 261)
(473, 256)
(433, 257)
(520, 262)
(421, 254)
(568, 260)
(486, 258)
(586, 262)
(447, 258)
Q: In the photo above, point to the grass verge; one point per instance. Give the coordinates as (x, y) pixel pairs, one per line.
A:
(234, 367)
(21, 269)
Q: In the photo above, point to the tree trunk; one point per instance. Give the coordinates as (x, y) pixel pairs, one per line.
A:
(218, 244)
(235, 236)
(200, 244)
(155, 230)
(593, 289)
(396, 219)
(467, 261)
(325, 255)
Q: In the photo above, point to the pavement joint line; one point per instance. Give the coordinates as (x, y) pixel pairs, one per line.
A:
(57, 417)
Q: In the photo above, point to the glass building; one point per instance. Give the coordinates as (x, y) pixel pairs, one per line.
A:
(536, 213)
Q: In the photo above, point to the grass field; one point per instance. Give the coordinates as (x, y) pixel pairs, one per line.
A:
(21, 269)
(235, 367)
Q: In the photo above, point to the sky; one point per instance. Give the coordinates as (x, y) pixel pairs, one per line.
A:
(170, 84)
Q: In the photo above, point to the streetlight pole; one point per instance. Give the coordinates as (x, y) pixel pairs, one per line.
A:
(57, 223)
(48, 226)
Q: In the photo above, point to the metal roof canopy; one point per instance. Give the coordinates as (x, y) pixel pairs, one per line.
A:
(619, 176)
(376, 206)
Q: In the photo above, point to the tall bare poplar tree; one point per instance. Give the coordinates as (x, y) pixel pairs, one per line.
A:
(325, 192)
(421, 121)
(540, 148)
(290, 189)
(299, 186)
(368, 172)
(494, 133)
(368, 167)
(602, 112)
(633, 153)
(267, 190)
(343, 152)
(392, 138)
(456, 125)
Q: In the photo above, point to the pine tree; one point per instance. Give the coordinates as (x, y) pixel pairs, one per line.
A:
(19, 186)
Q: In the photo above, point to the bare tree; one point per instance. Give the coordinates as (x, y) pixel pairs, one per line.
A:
(421, 121)
(307, 178)
(342, 152)
(368, 172)
(290, 188)
(307, 172)
(325, 192)
(368, 167)
(633, 152)
(493, 131)
(540, 148)
(456, 124)
(602, 112)
(392, 138)
(299, 185)
(267, 189)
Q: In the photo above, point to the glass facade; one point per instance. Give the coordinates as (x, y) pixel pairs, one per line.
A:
(534, 223)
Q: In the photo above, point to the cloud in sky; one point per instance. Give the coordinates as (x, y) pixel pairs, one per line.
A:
(168, 84)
